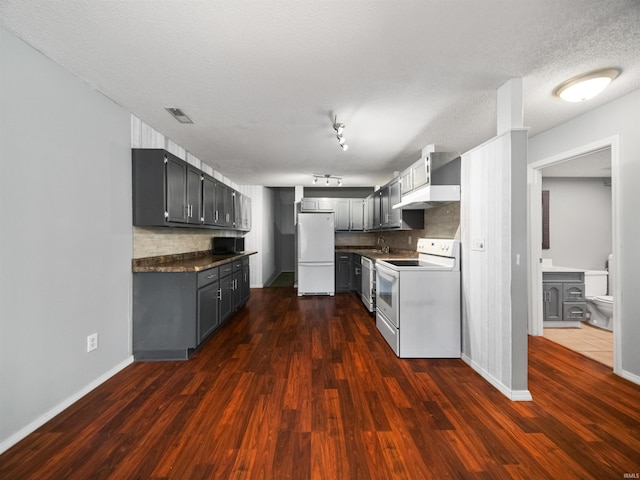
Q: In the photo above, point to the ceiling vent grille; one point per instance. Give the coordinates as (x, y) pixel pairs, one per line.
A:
(179, 115)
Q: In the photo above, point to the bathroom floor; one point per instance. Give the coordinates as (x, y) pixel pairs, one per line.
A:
(592, 342)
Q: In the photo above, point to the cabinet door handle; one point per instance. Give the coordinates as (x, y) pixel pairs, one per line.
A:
(219, 294)
(210, 276)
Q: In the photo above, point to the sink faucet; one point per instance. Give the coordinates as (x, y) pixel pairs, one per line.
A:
(383, 248)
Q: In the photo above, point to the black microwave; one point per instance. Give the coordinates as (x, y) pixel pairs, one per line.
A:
(228, 244)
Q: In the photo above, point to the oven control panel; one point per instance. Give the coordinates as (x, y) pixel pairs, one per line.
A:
(439, 246)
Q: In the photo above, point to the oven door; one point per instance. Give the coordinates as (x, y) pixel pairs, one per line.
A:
(388, 293)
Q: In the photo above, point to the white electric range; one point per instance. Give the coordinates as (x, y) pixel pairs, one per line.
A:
(418, 301)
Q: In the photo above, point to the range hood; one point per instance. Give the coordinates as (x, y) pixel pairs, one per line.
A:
(428, 197)
(431, 181)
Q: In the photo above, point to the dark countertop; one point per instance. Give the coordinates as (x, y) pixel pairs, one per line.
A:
(184, 262)
(375, 253)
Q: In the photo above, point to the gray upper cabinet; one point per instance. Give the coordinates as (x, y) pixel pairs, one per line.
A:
(176, 188)
(317, 205)
(379, 213)
(208, 200)
(356, 208)
(368, 212)
(406, 181)
(241, 211)
(394, 216)
(343, 215)
(420, 173)
(224, 205)
(167, 191)
(349, 214)
(194, 195)
(162, 188)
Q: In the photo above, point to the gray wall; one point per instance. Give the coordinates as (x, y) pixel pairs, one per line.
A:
(65, 241)
(579, 222)
(619, 117)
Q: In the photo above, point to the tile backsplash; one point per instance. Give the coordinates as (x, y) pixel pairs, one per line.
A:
(439, 222)
(155, 241)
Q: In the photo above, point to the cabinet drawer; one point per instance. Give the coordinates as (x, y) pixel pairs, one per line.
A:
(574, 311)
(245, 261)
(226, 269)
(573, 292)
(208, 276)
(237, 265)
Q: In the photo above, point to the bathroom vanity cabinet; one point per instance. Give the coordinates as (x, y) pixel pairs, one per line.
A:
(563, 296)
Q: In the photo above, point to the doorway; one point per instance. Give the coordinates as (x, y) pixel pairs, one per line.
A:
(583, 157)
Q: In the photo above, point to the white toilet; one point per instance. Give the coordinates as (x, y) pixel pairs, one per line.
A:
(599, 299)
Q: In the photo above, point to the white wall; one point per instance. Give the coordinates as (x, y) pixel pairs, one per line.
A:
(619, 117)
(65, 240)
(494, 281)
(261, 238)
(579, 222)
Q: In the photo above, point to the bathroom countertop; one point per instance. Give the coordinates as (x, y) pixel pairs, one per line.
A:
(555, 268)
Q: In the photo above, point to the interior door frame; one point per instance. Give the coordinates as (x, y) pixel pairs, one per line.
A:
(534, 181)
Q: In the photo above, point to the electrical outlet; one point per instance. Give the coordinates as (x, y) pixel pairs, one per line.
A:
(92, 342)
(409, 238)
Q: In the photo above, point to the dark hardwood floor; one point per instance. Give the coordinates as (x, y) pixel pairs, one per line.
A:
(298, 388)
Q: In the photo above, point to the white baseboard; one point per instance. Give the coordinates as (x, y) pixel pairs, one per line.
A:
(514, 395)
(632, 377)
(38, 422)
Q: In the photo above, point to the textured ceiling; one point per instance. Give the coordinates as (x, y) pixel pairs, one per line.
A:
(263, 80)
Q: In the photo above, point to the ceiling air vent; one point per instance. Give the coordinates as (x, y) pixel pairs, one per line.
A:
(179, 115)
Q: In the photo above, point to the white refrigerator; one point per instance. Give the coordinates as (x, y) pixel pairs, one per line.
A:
(316, 254)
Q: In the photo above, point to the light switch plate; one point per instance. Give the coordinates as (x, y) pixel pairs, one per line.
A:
(477, 244)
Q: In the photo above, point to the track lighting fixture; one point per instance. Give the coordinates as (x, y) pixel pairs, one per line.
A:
(327, 178)
(339, 128)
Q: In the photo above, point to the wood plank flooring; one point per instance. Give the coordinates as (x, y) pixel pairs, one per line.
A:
(300, 388)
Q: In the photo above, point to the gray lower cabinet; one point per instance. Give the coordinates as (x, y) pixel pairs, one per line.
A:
(208, 302)
(226, 291)
(552, 301)
(175, 312)
(246, 292)
(343, 272)
(356, 273)
(563, 296)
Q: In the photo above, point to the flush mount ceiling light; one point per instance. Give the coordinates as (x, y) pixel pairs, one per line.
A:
(327, 178)
(179, 115)
(339, 128)
(584, 87)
